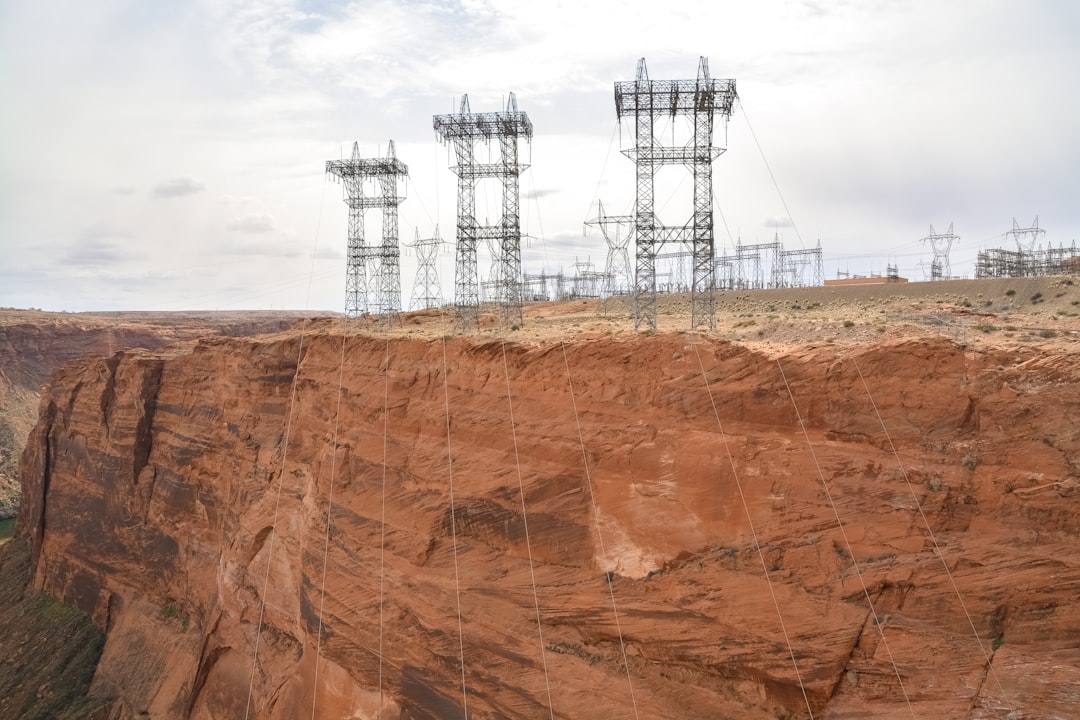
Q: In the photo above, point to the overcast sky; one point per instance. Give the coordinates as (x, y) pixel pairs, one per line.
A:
(170, 155)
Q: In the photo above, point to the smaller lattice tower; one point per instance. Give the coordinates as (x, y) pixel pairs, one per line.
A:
(427, 291)
(650, 102)
(1025, 238)
(372, 183)
(940, 244)
(618, 274)
(464, 130)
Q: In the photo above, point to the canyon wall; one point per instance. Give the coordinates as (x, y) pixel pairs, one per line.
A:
(320, 525)
(34, 343)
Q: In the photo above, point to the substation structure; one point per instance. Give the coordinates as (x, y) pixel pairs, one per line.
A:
(372, 183)
(759, 266)
(464, 130)
(647, 102)
(1027, 260)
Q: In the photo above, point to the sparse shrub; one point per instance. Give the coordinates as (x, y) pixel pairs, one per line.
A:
(965, 303)
(1047, 334)
(970, 462)
(1037, 298)
(1075, 302)
(514, 327)
(1010, 292)
(1010, 328)
(934, 484)
(998, 642)
(849, 323)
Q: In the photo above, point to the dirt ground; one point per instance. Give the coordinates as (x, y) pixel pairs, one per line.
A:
(990, 312)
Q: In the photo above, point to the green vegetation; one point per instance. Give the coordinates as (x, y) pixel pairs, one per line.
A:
(849, 323)
(50, 650)
(7, 528)
(9, 467)
(1010, 292)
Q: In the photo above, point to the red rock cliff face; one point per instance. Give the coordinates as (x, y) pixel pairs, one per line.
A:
(182, 499)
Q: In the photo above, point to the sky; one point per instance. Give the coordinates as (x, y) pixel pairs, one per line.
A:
(171, 155)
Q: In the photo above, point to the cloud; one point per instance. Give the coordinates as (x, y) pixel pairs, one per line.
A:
(537, 194)
(254, 223)
(94, 253)
(327, 252)
(775, 222)
(178, 187)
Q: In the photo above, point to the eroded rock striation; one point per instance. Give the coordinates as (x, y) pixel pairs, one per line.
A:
(279, 526)
(34, 343)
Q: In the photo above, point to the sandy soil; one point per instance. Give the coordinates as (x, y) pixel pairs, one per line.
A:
(982, 313)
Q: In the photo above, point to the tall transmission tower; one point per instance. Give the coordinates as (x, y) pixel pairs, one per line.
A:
(372, 183)
(617, 272)
(427, 291)
(1025, 238)
(463, 130)
(940, 243)
(648, 101)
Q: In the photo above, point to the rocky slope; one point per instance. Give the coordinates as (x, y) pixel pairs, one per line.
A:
(195, 503)
(34, 343)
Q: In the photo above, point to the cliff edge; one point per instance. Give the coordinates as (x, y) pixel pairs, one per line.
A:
(274, 526)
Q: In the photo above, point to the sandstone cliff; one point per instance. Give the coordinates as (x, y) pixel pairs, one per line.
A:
(194, 502)
(34, 343)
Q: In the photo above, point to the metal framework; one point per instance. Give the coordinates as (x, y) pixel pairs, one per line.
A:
(1025, 238)
(1002, 263)
(751, 262)
(795, 264)
(941, 243)
(360, 177)
(648, 101)
(618, 275)
(464, 130)
(427, 291)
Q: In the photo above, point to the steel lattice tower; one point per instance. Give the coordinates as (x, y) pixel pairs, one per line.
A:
(648, 101)
(427, 292)
(1025, 237)
(617, 271)
(463, 130)
(358, 175)
(941, 243)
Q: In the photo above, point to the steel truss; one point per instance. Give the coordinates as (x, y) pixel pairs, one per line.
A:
(648, 101)
(617, 271)
(941, 243)
(427, 291)
(358, 175)
(463, 131)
